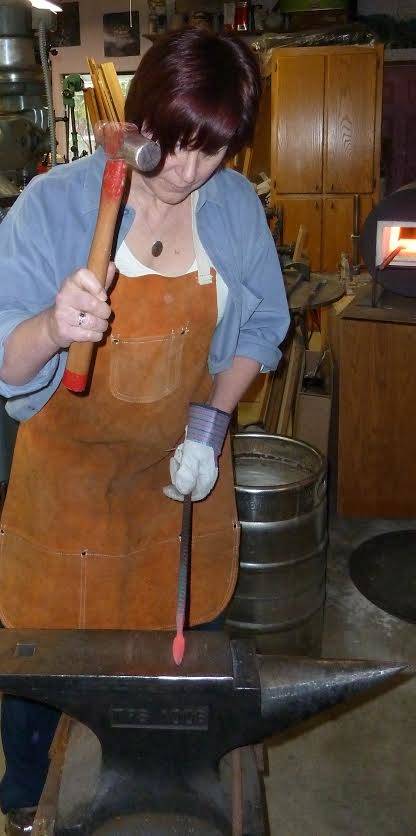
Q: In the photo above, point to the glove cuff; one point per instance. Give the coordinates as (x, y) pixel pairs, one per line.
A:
(208, 425)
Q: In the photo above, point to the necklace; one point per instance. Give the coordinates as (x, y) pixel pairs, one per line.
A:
(157, 246)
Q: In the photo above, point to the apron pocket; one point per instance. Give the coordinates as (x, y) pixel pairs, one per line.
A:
(39, 587)
(146, 369)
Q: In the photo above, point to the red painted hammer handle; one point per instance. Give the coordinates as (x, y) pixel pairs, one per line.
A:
(79, 356)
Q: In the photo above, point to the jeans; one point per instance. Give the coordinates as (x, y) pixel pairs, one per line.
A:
(27, 730)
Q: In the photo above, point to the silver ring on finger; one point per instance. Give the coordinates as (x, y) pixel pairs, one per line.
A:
(81, 318)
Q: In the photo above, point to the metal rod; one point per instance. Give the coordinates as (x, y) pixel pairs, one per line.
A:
(389, 258)
(178, 647)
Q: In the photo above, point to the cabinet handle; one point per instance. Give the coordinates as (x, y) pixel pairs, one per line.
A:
(332, 204)
(317, 187)
(316, 204)
(331, 189)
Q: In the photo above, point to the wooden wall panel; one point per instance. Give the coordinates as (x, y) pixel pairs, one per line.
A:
(297, 123)
(350, 121)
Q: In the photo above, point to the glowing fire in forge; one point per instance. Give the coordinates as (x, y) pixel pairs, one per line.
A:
(404, 237)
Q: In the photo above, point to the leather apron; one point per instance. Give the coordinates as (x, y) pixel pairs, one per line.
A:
(88, 539)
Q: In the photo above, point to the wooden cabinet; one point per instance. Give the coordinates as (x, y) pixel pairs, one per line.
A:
(325, 142)
(350, 104)
(261, 150)
(377, 402)
(307, 211)
(297, 126)
(337, 224)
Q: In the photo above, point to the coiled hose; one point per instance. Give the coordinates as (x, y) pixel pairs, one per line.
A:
(48, 88)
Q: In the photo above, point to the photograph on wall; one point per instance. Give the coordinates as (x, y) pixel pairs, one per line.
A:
(121, 39)
(66, 31)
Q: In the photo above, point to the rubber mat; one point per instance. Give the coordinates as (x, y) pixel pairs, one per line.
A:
(384, 570)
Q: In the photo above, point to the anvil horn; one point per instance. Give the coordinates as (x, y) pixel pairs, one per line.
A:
(293, 689)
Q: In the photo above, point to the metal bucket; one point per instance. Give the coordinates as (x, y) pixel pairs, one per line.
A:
(280, 486)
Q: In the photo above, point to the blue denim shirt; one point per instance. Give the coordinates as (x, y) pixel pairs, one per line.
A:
(46, 236)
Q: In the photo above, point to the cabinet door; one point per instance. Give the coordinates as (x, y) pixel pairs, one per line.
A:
(336, 230)
(306, 211)
(377, 440)
(351, 84)
(337, 227)
(297, 123)
(260, 160)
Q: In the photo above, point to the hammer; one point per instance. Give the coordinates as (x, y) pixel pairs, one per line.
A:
(124, 146)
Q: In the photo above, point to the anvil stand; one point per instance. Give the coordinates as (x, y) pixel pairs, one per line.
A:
(163, 730)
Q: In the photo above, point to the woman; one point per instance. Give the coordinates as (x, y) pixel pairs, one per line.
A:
(198, 307)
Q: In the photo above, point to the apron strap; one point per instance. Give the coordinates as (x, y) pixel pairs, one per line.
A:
(202, 260)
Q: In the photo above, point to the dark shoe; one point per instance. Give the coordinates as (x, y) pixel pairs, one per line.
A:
(19, 821)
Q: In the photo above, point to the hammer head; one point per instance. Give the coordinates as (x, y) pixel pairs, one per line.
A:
(122, 140)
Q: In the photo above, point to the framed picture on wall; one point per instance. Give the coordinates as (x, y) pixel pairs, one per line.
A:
(121, 39)
(67, 32)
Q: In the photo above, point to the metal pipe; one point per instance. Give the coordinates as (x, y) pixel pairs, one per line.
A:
(48, 88)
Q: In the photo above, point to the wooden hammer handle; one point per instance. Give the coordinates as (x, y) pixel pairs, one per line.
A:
(79, 356)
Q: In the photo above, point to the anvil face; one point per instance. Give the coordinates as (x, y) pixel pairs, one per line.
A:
(125, 684)
(163, 730)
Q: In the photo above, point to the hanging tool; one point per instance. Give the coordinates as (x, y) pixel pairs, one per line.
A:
(178, 647)
(72, 83)
(125, 146)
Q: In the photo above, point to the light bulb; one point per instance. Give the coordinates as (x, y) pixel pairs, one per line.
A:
(46, 4)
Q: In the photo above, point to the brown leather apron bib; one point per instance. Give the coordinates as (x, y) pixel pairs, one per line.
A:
(88, 539)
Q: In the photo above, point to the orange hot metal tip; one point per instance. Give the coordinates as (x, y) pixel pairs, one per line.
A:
(178, 648)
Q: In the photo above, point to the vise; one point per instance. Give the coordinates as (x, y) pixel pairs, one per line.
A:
(164, 730)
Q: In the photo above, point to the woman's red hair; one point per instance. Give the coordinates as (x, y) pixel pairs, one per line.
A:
(197, 89)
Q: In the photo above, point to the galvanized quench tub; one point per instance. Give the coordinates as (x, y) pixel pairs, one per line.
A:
(281, 495)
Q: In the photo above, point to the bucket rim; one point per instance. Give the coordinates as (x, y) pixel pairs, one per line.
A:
(269, 489)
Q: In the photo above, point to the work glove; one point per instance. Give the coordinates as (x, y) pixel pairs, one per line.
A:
(194, 466)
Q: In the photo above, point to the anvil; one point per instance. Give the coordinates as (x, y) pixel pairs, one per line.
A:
(163, 730)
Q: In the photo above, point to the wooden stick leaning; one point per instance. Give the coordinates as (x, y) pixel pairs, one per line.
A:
(114, 88)
(79, 356)
(91, 106)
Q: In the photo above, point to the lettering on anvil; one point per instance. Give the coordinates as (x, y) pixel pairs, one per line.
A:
(161, 717)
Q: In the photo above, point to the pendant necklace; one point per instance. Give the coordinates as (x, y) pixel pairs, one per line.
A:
(157, 246)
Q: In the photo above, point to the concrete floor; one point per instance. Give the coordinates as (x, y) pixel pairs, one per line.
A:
(351, 772)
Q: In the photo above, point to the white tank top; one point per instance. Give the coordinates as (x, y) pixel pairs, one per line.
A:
(130, 266)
